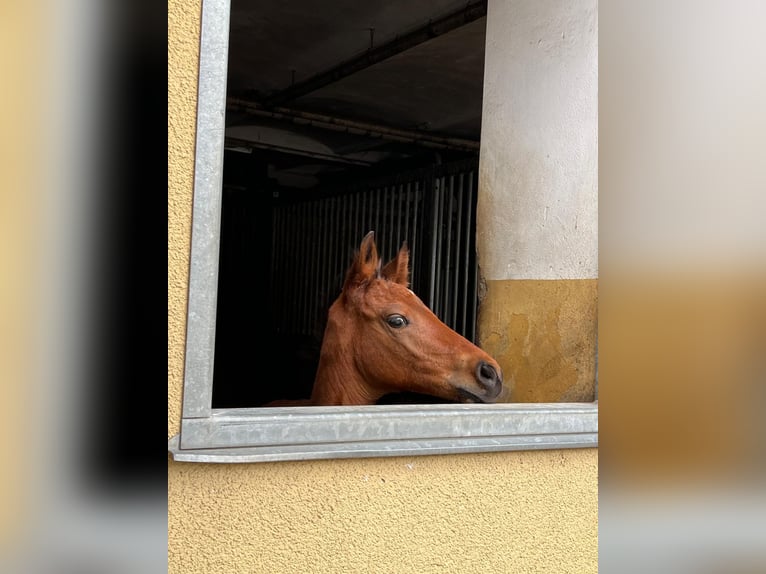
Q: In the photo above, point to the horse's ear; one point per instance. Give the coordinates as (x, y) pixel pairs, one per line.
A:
(366, 264)
(398, 269)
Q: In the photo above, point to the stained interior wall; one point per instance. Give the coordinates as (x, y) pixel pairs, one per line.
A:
(538, 198)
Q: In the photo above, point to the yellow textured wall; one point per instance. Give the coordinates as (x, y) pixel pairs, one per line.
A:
(543, 334)
(498, 512)
(483, 513)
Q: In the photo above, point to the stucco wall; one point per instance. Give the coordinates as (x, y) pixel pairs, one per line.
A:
(496, 512)
(500, 512)
(538, 184)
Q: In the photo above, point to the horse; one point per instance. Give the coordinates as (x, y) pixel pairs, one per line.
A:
(380, 338)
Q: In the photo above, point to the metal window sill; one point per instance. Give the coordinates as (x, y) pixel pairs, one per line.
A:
(306, 433)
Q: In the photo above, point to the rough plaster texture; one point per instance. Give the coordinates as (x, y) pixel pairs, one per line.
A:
(483, 513)
(538, 176)
(499, 512)
(543, 334)
(183, 59)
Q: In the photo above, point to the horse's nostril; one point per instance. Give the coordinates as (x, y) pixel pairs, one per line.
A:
(487, 375)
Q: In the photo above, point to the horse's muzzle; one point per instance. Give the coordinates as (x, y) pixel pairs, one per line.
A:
(489, 379)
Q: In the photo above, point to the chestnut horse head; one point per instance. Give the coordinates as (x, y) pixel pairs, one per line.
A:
(381, 338)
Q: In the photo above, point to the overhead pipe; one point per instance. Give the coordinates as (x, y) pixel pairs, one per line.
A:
(354, 127)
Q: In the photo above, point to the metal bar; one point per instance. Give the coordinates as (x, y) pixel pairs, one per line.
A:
(290, 279)
(358, 219)
(306, 265)
(322, 292)
(434, 241)
(332, 123)
(382, 448)
(344, 232)
(400, 193)
(277, 257)
(438, 238)
(446, 280)
(415, 274)
(475, 269)
(301, 266)
(206, 210)
(315, 293)
(407, 214)
(390, 227)
(332, 248)
(335, 251)
(267, 427)
(368, 210)
(459, 256)
(326, 157)
(377, 212)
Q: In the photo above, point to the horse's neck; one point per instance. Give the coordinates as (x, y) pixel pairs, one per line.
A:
(338, 382)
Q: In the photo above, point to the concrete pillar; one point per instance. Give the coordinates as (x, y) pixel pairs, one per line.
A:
(537, 227)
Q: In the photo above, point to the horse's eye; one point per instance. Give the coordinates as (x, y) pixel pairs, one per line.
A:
(397, 321)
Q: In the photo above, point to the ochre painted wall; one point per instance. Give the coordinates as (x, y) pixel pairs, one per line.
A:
(543, 334)
(482, 513)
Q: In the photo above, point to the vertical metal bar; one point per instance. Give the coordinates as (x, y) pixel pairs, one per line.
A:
(400, 194)
(324, 220)
(440, 249)
(367, 210)
(297, 271)
(407, 205)
(371, 225)
(308, 266)
(290, 279)
(285, 265)
(390, 225)
(460, 255)
(447, 276)
(466, 261)
(330, 286)
(310, 263)
(332, 246)
(415, 229)
(351, 240)
(432, 291)
(302, 267)
(475, 269)
(357, 216)
(380, 232)
(335, 245)
(407, 217)
(317, 282)
(275, 263)
(368, 194)
(344, 229)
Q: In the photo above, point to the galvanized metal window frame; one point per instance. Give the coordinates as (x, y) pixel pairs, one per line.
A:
(295, 433)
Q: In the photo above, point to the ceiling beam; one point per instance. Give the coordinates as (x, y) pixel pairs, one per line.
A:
(353, 127)
(432, 29)
(239, 144)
